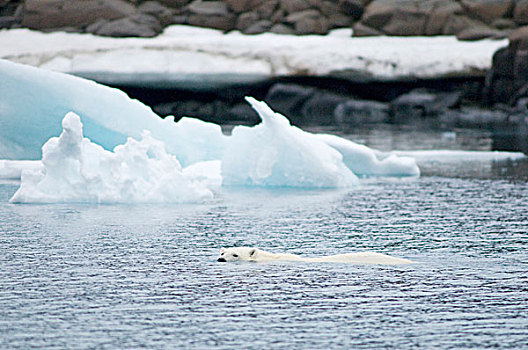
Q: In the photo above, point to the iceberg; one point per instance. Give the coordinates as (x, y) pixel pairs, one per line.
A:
(33, 101)
(76, 170)
(365, 161)
(124, 152)
(274, 153)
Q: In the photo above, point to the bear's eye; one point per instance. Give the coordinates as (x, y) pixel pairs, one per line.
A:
(235, 255)
(222, 254)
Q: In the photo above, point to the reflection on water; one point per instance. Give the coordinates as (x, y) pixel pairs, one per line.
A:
(146, 276)
(389, 137)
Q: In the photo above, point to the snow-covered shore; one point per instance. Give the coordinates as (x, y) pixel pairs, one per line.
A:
(186, 54)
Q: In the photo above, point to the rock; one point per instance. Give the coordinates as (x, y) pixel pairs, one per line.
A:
(289, 99)
(258, 27)
(339, 20)
(308, 22)
(479, 33)
(224, 23)
(458, 23)
(356, 112)
(440, 17)
(362, 30)
(293, 6)
(278, 16)
(211, 14)
(208, 8)
(488, 10)
(420, 103)
(319, 108)
(239, 6)
(163, 14)
(400, 17)
(175, 4)
(51, 14)
(433, 17)
(94, 27)
(242, 113)
(282, 29)
(7, 22)
(312, 26)
(352, 8)
(140, 25)
(268, 7)
(504, 23)
(245, 20)
(507, 80)
(520, 12)
(302, 15)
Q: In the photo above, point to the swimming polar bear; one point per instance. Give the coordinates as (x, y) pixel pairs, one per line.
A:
(257, 255)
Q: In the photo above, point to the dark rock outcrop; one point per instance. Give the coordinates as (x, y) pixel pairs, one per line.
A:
(507, 80)
(55, 14)
(468, 19)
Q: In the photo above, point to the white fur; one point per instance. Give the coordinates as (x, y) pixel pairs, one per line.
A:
(257, 255)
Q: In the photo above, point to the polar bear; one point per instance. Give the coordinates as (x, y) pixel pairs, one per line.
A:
(257, 255)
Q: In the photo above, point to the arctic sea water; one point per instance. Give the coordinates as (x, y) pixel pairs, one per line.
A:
(87, 276)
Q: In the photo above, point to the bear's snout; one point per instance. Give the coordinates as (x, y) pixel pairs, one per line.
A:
(221, 259)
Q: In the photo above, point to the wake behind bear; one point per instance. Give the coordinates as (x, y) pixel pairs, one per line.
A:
(257, 255)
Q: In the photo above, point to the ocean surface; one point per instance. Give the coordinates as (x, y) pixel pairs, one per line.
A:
(145, 276)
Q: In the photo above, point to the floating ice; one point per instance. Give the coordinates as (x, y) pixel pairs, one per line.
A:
(274, 153)
(76, 170)
(12, 169)
(33, 101)
(364, 161)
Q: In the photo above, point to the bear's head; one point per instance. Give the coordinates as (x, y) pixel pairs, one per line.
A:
(238, 253)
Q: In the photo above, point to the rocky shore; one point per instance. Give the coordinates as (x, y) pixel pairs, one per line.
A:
(467, 19)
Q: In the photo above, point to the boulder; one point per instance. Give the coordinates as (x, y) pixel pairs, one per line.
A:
(282, 29)
(352, 8)
(434, 17)
(52, 14)
(140, 25)
(421, 103)
(245, 20)
(488, 10)
(308, 22)
(164, 15)
(208, 8)
(258, 27)
(211, 14)
(357, 112)
(479, 33)
(361, 29)
(239, 6)
(520, 12)
(175, 4)
(319, 108)
(318, 26)
(267, 8)
(507, 80)
(293, 6)
(289, 99)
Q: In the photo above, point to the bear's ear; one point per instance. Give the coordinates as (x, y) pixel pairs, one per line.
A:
(222, 250)
(252, 252)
